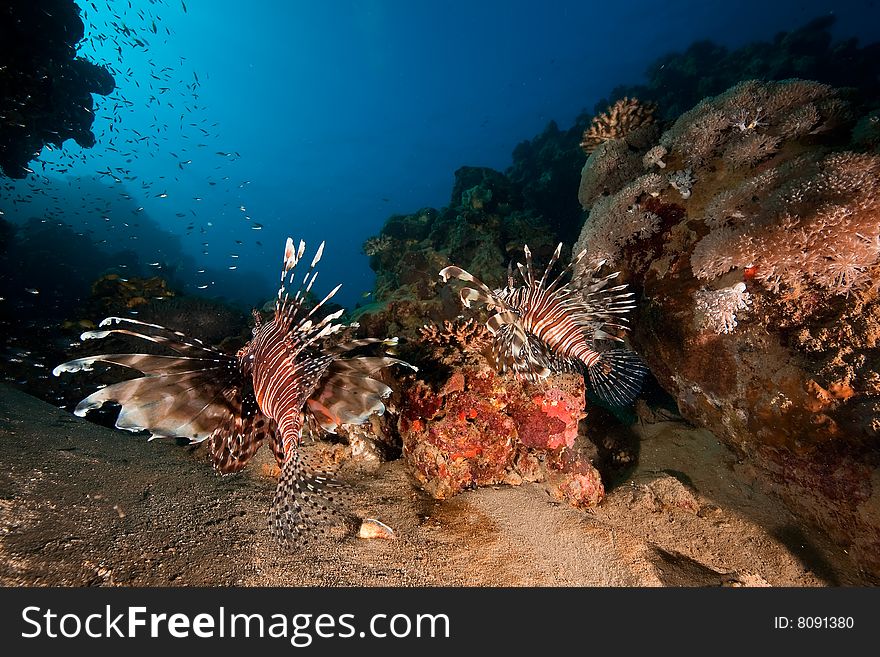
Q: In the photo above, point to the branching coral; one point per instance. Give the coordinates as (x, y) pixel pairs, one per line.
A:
(750, 149)
(800, 122)
(621, 119)
(461, 334)
(717, 253)
(606, 171)
(377, 244)
(654, 157)
(701, 134)
(752, 119)
(827, 236)
(784, 98)
(716, 309)
(734, 205)
(683, 181)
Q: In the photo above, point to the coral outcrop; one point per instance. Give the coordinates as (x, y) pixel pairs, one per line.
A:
(477, 428)
(758, 286)
(45, 89)
(483, 227)
(116, 293)
(627, 117)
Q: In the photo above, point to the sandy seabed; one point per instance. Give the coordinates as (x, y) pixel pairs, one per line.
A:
(82, 505)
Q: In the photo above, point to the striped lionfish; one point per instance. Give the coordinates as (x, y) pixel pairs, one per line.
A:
(545, 326)
(288, 373)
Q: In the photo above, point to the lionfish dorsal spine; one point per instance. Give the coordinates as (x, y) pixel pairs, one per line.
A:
(559, 281)
(556, 253)
(530, 274)
(525, 273)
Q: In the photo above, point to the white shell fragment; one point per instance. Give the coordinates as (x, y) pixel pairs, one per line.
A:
(372, 528)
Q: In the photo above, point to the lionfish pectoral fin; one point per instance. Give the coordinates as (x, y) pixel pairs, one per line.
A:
(327, 420)
(481, 293)
(186, 396)
(455, 272)
(617, 376)
(308, 503)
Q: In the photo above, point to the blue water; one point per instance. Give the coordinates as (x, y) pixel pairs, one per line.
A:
(237, 124)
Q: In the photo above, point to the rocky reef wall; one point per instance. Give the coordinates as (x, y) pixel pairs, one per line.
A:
(45, 88)
(750, 230)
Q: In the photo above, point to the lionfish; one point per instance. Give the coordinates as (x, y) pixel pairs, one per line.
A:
(287, 374)
(545, 325)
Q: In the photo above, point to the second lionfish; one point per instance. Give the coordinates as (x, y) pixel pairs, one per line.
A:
(290, 372)
(558, 325)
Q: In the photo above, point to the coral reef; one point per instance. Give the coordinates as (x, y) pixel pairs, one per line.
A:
(45, 89)
(866, 134)
(476, 428)
(455, 338)
(214, 322)
(683, 181)
(625, 117)
(716, 309)
(543, 173)
(617, 220)
(376, 244)
(654, 157)
(113, 293)
(759, 305)
(484, 225)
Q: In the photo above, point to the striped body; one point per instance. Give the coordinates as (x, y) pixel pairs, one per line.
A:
(546, 325)
(553, 321)
(279, 378)
(286, 373)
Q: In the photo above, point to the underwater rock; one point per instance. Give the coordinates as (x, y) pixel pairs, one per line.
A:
(572, 478)
(866, 134)
(215, 322)
(543, 173)
(480, 188)
(45, 89)
(457, 438)
(481, 229)
(474, 427)
(115, 293)
(759, 308)
(549, 419)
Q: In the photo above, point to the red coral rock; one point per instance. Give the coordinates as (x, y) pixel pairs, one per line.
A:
(465, 441)
(482, 429)
(574, 479)
(549, 419)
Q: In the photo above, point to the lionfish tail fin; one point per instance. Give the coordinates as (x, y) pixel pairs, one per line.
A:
(617, 376)
(309, 502)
